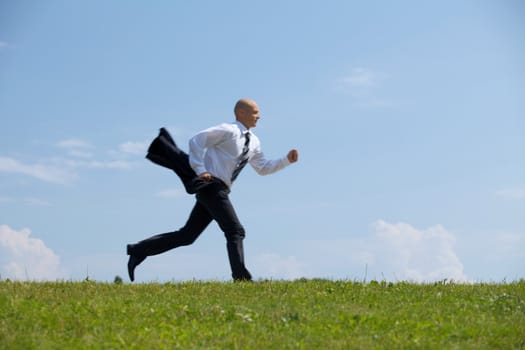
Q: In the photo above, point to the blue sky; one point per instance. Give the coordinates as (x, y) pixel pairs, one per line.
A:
(409, 118)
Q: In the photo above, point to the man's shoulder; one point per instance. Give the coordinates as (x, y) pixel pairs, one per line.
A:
(230, 129)
(223, 128)
(229, 126)
(234, 128)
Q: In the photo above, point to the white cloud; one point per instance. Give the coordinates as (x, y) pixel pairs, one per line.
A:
(80, 154)
(415, 254)
(45, 172)
(80, 149)
(276, 266)
(76, 147)
(361, 78)
(394, 252)
(171, 193)
(74, 143)
(36, 202)
(57, 170)
(134, 148)
(362, 84)
(515, 193)
(64, 170)
(25, 258)
(95, 164)
(26, 201)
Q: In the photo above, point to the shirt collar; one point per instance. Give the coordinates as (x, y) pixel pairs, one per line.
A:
(242, 127)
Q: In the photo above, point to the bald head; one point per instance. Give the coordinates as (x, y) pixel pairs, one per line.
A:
(243, 104)
(247, 112)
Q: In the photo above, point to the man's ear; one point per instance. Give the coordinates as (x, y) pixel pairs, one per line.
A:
(240, 114)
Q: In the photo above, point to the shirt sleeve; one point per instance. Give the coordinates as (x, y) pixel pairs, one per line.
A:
(265, 166)
(200, 142)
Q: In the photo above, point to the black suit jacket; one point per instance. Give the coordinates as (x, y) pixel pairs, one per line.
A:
(164, 152)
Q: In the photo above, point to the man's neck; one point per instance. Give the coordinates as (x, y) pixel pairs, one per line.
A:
(247, 129)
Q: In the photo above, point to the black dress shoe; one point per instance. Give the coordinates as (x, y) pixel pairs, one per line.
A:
(243, 279)
(133, 262)
(245, 276)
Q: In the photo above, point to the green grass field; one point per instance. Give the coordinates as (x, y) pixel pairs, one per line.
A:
(302, 314)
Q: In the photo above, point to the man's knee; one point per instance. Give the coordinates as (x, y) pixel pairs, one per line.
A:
(235, 233)
(187, 237)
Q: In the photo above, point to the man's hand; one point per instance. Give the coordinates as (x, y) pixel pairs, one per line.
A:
(293, 156)
(205, 176)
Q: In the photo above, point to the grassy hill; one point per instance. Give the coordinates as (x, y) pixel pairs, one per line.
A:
(302, 314)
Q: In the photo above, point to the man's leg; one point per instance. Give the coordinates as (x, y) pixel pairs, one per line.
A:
(216, 200)
(198, 221)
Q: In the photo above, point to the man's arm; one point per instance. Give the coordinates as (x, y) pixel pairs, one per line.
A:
(198, 145)
(264, 166)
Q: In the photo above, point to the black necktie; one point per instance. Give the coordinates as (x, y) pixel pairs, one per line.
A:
(243, 159)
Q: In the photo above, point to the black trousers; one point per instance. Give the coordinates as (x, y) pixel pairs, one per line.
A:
(212, 203)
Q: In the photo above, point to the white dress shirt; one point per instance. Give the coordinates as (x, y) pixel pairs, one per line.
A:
(216, 150)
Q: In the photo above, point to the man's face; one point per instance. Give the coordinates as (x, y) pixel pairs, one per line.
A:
(249, 115)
